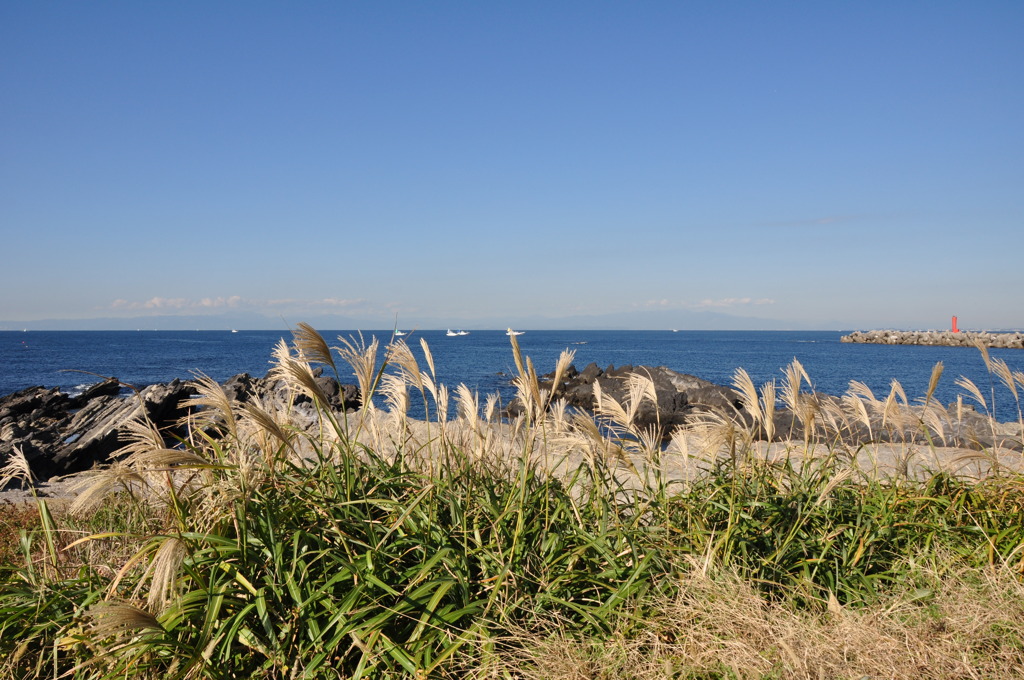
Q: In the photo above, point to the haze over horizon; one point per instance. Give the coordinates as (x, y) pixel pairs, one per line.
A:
(657, 165)
(639, 321)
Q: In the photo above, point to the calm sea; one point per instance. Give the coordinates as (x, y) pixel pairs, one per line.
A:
(483, 359)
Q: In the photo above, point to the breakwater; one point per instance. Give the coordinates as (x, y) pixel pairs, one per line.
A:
(938, 338)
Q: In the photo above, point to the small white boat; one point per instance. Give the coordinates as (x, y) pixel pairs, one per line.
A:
(512, 332)
(233, 330)
(400, 333)
(451, 333)
(462, 333)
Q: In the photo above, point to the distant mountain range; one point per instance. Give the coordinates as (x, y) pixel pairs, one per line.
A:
(638, 320)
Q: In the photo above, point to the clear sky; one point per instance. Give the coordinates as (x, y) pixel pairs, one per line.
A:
(811, 164)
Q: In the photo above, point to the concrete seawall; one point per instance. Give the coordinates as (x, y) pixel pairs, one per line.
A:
(939, 338)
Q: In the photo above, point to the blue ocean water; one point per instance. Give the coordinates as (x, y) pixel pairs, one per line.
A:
(483, 359)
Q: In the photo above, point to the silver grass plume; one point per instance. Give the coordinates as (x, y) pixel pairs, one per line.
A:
(468, 410)
(890, 407)
(791, 393)
(832, 484)
(490, 407)
(714, 431)
(527, 386)
(400, 355)
(440, 395)
(860, 390)
(984, 353)
(972, 390)
(468, 404)
(933, 418)
(1003, 372)
(559, 415)
(607, 407)
(648, 441)
(743, 384)
(857, 399)
(933, 382)
(168, 460)
(858, 412)
(768, 409)
(792, 383)
(565, 360)
(362, 357)
(17, 467)
(640, 389)
(429, 357)
(596, 445)
(266, 424)
(296, 375)
(932, 414)
(215, 408)
(394, 389)
(311, 346)
(895, 409)
(163, 572)
(139, 435)
(93, 486)
(110, 619)
(441, 399)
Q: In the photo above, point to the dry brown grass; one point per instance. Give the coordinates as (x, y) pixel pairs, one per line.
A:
(15, 518)
(719, 627)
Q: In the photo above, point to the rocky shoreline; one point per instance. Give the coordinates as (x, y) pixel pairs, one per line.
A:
(61, 435)
(937, 338)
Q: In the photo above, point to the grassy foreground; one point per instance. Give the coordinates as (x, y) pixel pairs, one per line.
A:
(290, 541)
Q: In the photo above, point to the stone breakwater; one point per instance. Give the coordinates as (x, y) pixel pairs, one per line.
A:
(938, 338)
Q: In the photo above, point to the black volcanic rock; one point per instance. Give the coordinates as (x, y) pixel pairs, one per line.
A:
(242, 387)
(679, 396)
(32, 399)
(94, 433)
(61, 435)
(682, 397)
(111, 387)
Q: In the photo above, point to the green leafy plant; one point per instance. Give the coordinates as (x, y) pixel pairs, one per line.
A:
(285, 538)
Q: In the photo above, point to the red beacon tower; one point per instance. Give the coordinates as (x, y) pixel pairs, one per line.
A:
(955, 329)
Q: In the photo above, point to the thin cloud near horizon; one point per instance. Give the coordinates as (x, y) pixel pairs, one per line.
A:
(826, 221)
(164, 304)
(707, 303)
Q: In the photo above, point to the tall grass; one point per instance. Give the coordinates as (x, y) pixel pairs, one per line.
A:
(285, 539)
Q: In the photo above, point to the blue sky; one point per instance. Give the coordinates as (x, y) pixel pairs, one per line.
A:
(816, 165)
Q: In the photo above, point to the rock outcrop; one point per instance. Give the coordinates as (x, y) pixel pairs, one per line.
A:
(679, 396)
(61, 434)
(681, 399)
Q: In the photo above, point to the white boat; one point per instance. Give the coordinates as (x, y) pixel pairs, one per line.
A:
(462, 333)
(512, 332)
(451, 333)
(400, 333)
